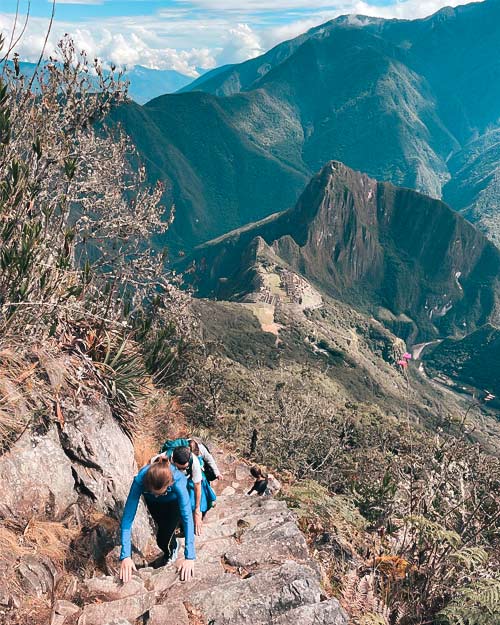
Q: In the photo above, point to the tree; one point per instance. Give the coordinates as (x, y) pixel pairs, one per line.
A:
(76, 219)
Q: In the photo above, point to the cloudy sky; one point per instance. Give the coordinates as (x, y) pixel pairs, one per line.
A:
(185, 35)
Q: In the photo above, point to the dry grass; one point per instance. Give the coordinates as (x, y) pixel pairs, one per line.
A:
(30, 383)
(33, 611)
(50, 539)
(11, 545)
(160, 418)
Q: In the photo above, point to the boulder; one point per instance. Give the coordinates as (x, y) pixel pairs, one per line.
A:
(174, 613)
(29, 492)
(63, 610)
(128, 609)
(325, 613)
(111, 588)
(104, 465)
(273, 485)
(38, 575)
(259, 598)
(277, 545)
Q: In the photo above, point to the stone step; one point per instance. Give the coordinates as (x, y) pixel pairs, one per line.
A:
(129, 609)
(325, 613)
(260, 598)
(173, 613)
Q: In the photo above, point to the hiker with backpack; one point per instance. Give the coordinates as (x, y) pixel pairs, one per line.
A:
(209, 466)
(201, 493)
(261, 481)
(164, 488)
(186, 461)
(208, 496)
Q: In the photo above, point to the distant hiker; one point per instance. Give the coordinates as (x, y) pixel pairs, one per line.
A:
(261, 481)
(164, 487)
(208, 496)
(209, 465)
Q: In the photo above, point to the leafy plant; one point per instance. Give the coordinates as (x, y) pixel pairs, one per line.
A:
(475, 604)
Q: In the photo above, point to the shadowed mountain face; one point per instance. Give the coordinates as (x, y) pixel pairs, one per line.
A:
(404, 257)
(472, 360)
(415, 103)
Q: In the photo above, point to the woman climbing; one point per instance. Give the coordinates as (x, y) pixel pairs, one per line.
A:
(164, 487)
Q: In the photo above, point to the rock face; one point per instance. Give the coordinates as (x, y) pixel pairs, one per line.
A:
(252, 566)
(372, 245)
(103, 464)
(29, 491)
(85, 464)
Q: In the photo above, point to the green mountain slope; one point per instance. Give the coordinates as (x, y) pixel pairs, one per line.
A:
(399, 99)
(217, 177)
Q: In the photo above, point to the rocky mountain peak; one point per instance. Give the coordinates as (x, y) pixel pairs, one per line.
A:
(375, 246)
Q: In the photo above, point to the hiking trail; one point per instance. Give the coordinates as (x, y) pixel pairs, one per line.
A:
(253, 567)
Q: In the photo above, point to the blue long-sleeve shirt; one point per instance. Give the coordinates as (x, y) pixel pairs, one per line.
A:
(178, 491)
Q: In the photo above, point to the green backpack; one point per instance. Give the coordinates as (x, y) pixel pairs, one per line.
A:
(169, 446)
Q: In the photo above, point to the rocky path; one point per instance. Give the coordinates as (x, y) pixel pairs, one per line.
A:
(253, 567)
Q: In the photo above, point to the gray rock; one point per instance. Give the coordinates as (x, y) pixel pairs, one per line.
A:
(28, 491)
(277, 545)
(325, 613)
(242, 473)
(62, 610)
(128, 609)
(162, 579)
(111, 588)
(170, 613)
(38, 575)
(260, 598)
(103, 461)
(273, 485)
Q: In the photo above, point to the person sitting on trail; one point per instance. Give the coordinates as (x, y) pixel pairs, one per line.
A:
(164, 488)
(261, 481)
(208, 496)
(210, 467)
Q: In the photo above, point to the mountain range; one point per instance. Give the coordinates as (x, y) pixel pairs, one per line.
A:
(144, 83)
(412, 102)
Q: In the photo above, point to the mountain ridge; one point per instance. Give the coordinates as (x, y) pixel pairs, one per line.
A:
(394, 98)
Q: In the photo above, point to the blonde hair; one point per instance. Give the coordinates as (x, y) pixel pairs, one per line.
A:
(159, 475)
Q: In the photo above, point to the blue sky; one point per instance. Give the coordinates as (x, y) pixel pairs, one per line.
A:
(186, 35)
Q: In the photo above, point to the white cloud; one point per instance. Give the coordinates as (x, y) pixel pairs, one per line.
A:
(123, 42)
(202, 33)
(240, 44)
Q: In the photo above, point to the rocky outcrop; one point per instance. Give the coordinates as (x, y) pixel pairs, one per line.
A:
(253, 566)
(83, 464)
(38, 479)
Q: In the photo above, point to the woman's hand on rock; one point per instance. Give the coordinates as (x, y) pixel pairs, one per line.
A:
(126, 568)
(186, 570)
